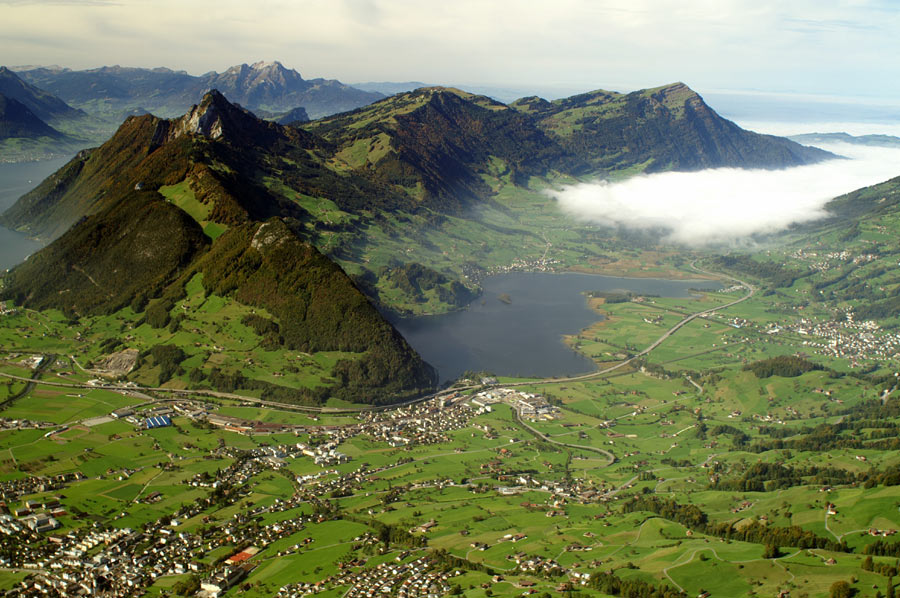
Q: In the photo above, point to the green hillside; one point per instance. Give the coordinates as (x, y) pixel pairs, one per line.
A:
(652, 130)
(165, 200)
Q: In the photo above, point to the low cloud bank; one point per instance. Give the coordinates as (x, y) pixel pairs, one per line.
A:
(728, 205)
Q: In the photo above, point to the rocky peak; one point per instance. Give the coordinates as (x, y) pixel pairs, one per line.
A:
(273, 66)
(246, 77)
(214, 117)
(674, 97)
(206, 117)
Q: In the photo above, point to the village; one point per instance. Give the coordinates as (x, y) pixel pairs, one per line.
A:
(92, 559)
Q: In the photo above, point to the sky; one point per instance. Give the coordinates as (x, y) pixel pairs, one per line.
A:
(844, 48)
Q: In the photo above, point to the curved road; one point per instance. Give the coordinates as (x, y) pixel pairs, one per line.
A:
(609, 456)
(750, 291)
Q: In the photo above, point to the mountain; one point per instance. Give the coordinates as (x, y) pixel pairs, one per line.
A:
(17, 121)
(227, 173)
(244, 205)
(652, 130)
(441, 145)
(135, 242)
(271, 86)
(116, 90)
(448, 148)
(409, 170)
(44, 105)
(870, 140)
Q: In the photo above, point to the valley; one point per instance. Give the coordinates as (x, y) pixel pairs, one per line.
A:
(781, 475)
(198, 394)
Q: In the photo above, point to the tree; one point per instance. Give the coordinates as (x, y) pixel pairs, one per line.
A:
(841, 589)
(188, 586)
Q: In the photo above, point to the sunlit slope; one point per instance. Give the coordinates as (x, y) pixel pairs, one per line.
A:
(664, 128)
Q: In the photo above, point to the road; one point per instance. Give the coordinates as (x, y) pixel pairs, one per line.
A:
(30, 382)
(609, 456)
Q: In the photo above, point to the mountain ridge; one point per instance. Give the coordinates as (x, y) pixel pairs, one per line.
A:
(44, 105)
(262, 85)
(18, 121)
(613, 131)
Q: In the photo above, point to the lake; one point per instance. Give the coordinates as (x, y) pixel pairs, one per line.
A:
(524, 336)
(16, 180)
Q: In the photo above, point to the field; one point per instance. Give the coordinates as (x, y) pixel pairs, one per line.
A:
(210, 330)
(752, 452)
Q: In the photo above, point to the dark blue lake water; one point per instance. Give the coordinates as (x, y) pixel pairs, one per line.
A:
(16, 180)
(523, 337)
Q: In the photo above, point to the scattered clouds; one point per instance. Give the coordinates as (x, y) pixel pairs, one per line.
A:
(620, 44)
(728, 205)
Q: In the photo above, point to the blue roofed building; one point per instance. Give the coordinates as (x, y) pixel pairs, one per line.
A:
(159, 421)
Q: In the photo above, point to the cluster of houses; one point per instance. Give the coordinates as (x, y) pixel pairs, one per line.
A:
(11, 490)
(530, 406)
(535, 564)
(828, 260)
(121, 562)
(84, 562)
(24, 424)
(416, 579)
(422, 424)
(848, 338)
(323, 455)
(543, 264)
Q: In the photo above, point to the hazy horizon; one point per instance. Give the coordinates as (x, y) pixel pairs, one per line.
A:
(800, 47)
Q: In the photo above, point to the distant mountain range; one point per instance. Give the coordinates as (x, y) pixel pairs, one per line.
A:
(35, 124)
(870, 140)
(268, 86)
(44, 105)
